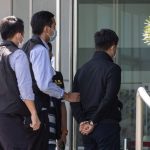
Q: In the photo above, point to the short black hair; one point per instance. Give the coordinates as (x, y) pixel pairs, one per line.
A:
(11, 25)
(40, 20)
(105, 38)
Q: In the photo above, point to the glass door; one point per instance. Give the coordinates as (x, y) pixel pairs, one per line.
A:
(133, 56)
(127, 18)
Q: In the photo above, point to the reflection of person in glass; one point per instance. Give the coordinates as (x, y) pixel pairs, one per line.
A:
(98, 82)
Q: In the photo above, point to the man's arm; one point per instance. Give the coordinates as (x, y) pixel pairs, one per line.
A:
(113, 81)
(76, 107)
(43, 73)
(64, 130)
(20, 65)
(63, 117)
(35, 124)
(112, 88)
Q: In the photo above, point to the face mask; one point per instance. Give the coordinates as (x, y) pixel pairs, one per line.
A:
(53, 37)
(20, 45)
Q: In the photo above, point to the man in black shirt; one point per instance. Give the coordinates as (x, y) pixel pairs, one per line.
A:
(98, 82)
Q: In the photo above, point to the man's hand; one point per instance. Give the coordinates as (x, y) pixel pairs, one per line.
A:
(35, 124)
(82, 126)
(61, 141)
(86, 128)
(72, 97)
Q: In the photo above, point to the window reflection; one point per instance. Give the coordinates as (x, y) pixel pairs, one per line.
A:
(127, 19)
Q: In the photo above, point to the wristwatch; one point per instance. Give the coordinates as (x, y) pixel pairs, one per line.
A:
(91, 123)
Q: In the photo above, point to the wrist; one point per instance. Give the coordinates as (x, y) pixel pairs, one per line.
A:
(91, 123)
(66, 96)
(34, 113)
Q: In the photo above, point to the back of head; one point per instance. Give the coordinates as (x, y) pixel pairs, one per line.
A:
(105, 38)
(40, 20)
(11, 25)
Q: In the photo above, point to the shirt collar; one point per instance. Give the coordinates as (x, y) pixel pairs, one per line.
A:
(8, 43)
(38, 37)
(45, 44)
(103, 55)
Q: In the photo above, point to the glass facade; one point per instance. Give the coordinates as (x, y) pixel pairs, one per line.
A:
(127, 18)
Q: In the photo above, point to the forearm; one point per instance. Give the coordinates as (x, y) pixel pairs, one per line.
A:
(52, 90)
(77, 112)
(102, 109)
(35, 122)
(31, 106)
(113, 79)
(63, 117)
(43, 72)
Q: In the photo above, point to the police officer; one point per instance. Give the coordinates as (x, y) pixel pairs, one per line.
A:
(43, 28)
(16, 95)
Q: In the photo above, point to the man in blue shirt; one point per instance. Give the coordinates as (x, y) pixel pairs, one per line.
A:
(43, 28)
(16, 94)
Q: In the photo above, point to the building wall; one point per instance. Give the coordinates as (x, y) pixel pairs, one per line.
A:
(5, 9)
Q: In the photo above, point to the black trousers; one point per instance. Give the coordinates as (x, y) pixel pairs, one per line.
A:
(106, 136)
(14, 135)
(38, 140)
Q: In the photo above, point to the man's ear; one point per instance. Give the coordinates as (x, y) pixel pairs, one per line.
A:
(112, 47)
(17, 35)
(45, 29)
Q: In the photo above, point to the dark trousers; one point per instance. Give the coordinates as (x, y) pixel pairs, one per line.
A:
(12, 133)
(52, 147)
(106, 136)
(38, 140)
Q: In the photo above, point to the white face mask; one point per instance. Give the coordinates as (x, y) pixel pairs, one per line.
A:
(21, 41)
(20, 45)
(53, 37)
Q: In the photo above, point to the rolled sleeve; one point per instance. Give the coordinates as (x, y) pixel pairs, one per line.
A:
(43, 72)
(76, 106)
(20, 65)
